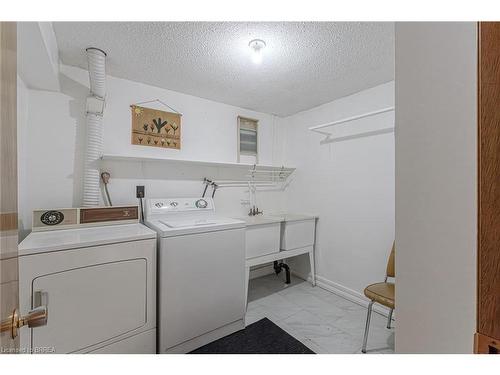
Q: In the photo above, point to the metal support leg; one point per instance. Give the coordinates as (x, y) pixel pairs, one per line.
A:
(313, 272)
(367, 327)
(247, 279)
(389, 319)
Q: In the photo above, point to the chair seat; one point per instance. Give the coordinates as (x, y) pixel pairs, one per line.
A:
(382, 293)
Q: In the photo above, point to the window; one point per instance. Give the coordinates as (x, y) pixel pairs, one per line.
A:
(247, 140)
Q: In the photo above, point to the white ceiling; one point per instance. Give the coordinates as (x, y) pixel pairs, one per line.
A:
(305, 63)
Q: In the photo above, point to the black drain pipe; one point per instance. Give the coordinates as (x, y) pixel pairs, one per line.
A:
(278, 267)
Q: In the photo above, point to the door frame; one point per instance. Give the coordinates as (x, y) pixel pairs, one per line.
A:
(487, 337)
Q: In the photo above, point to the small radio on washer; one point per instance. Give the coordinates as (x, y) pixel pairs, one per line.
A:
(67, 218)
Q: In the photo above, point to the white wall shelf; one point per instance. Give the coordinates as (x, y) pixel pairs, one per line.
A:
(329, 135)
(218, 171)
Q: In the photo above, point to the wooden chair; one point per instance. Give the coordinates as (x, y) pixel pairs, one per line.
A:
(382, 293)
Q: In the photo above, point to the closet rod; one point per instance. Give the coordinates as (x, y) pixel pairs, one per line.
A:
(352, 118)
(357, 135)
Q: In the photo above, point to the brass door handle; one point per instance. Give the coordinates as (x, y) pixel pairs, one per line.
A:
(35, 318)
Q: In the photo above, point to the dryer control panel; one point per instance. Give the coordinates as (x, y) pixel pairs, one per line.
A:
(70, 218)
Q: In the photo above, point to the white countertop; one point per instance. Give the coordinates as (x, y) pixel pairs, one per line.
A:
(54, 240)
(275, 218)
(260, 220)
(287, 217)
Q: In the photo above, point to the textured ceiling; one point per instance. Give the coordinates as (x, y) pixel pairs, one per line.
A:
(305, 64)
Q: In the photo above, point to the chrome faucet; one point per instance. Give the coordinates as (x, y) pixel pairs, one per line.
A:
(255, 211)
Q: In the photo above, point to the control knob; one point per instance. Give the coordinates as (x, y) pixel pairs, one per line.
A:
(201, 203)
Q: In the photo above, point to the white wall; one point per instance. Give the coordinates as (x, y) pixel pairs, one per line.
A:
(55, 142)
(36, 42)
(349, 185)
(436, 68)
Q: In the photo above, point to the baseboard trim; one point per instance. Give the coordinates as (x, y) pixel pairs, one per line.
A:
(345, 292)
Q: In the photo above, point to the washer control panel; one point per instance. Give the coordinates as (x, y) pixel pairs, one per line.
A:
(171, 205)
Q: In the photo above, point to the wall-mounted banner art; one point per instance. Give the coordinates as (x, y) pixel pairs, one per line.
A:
(152, 127)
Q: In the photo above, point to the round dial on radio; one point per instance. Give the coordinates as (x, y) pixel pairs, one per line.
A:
(201, 203)
(52, 217)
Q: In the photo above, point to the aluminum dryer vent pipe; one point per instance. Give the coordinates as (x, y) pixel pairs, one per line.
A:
(94, 111)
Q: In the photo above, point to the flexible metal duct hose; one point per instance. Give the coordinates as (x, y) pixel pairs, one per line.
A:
(97, 71)
(91, 175)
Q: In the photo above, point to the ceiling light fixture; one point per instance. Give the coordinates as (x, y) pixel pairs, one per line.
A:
(257, 45)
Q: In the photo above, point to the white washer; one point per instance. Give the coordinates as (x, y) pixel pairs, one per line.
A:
(99, 286)
(201, 268)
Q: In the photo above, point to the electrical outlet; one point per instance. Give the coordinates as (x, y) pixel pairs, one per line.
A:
(139, 191)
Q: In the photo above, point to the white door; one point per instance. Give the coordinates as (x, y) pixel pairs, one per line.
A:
(201, 285)
(90, 305)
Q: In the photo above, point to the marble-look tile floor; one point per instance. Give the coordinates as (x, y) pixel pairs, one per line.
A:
(321, 320)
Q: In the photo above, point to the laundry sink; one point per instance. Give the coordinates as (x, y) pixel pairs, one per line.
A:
(297, 231)
(262, 235)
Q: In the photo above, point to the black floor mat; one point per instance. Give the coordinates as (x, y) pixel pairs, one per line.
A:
(262, 337)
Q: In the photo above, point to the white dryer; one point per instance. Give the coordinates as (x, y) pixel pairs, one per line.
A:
(99, 286)
(201, 268)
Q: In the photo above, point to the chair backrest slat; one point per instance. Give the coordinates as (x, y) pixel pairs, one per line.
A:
(391, 272)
